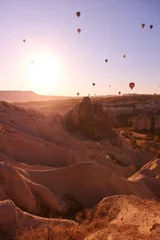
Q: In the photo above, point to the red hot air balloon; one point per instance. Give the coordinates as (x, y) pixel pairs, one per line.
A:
(151, 26)
(78, 14)
(78, 30)
(119, 93)
(131, 85)
(143, 25)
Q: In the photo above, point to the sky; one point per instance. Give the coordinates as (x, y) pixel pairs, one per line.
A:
(67, 62)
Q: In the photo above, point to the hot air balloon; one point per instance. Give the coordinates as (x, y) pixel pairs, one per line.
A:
(109, 85)
(119, 93)
(124, 56)
(78, 14)
(106, 60)
(131, 85)
(78, 93)
(24, 40)
(143, 25)
(93, 84)
(78, 30)
(151, 26)
(88, 94)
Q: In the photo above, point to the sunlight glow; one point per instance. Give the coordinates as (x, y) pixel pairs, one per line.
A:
(44, 71)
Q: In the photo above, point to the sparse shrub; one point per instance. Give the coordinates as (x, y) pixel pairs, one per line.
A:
(157, 138)
(158, 152)
(73, 207)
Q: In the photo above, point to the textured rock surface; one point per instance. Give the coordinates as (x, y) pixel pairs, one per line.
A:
(91, 121)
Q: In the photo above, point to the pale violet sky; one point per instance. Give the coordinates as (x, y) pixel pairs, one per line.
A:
(110, 28)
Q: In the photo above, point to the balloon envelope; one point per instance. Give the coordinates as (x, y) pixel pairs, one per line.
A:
(124, 56)
(106, 60)
(78, 30)
(78, 93)
(24, 40)
(119, 93)
(78, 14)
(93, 84)
(131, 85)
(151, 26)
(143, 25)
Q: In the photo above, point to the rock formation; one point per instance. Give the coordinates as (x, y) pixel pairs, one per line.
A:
(90, 120)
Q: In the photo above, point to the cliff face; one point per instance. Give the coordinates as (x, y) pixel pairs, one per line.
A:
(142, 116)
(90, 120)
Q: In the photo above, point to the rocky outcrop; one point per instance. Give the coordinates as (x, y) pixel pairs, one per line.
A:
(143, 114)
(13, 220)
(90, 120)
(141, 123)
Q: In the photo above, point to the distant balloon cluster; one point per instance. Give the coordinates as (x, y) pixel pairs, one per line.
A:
(143, 25)
(131, 84)
(78, 15)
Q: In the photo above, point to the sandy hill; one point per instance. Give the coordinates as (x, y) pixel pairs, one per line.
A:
(45, 168)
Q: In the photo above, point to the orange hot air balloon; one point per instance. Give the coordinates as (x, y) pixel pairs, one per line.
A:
(78, 14)
(119, 93)
(131, 85)
(106, 60)
(78, 30)
(143, 25)
(151, 26)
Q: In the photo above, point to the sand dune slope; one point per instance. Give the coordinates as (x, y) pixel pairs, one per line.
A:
(87, 183)
(149, 175)
(14, 219)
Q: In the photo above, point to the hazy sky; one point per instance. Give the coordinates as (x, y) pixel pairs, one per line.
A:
(110, 28)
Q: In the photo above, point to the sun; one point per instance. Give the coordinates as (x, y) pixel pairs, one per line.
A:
(44, 72)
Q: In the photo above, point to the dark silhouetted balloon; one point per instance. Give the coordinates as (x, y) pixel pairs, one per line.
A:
(143, 25)
(131, 85)
(106, 60)
(78, 93)
(119, 93)
(151, 26)
(124, 56)
(24, 40)
(78, 14)
(93, 84)
(109, 85)
(78, 30)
